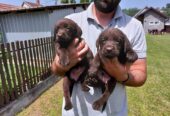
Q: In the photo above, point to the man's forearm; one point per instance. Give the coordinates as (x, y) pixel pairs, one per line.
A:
(136, 79)
(56, 70)
(137, 73)
(133, 76)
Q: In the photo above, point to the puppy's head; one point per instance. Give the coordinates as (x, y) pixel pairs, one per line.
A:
(113, 43)
(66, 31)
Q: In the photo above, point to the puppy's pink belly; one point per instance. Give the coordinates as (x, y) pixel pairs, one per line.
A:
(75, 73)
(104, 77)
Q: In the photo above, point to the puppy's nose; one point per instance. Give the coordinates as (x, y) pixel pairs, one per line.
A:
(60, 33)
(109, 49)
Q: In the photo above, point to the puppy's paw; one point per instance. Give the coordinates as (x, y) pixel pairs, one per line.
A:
(85, 88)
(68, 106)
(97, 105)
(92, 75)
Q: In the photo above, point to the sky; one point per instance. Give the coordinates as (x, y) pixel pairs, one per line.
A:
(124, 3)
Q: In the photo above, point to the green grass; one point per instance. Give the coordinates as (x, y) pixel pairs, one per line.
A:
(48, 104)
(152, 99)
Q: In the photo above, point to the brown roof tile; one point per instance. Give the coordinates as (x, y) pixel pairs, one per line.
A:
(4, 7)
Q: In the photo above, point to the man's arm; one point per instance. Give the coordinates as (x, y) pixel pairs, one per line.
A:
(137, 72)
(76, 53)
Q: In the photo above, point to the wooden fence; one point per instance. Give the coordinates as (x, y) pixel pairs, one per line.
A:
(23, 64)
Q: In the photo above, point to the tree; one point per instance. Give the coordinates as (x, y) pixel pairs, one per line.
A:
(68, 1)
(84, 1)
(131, 11)
(168, 5)
(166, 10)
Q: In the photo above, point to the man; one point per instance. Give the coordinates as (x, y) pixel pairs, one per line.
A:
(100, 15)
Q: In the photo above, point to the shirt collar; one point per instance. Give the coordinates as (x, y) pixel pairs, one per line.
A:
(118, 14)
(90, 12)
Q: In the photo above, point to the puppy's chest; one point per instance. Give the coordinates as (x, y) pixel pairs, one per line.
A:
(102, 78)
(77, 72)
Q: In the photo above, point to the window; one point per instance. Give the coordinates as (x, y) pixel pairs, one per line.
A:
(151, 23)
(154, 22)
(157, 22)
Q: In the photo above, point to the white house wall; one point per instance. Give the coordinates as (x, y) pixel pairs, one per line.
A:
(78, 9)
(31, 25)
(23, 26)
(61, 13)
(57, 15)
(26, 36)
(153, 17)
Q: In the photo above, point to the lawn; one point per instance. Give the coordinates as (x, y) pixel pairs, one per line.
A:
(152, 99)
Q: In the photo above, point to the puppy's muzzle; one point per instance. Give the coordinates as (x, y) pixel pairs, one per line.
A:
(63, 39)
(110, 52)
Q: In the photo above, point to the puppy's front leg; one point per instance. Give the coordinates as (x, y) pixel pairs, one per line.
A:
(89, 59)
(64, 57)
(94, 66)
(67, 94)
(109, 87)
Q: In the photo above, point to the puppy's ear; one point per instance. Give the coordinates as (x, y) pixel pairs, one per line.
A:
(55, 31)
(130, 54)
(54, 39)
(97, 44)
(79, 31)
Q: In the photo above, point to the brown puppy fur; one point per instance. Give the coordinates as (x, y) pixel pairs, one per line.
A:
(111, 43)
(64, 33)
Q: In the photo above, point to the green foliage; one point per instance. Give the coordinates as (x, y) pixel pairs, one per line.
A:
(166, 11)
(168, 5)
(131, 11)
(68, 1)
(84, 1)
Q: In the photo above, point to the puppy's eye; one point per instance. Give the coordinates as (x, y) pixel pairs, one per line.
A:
(67, 27)
(116, 42)
(103, 39)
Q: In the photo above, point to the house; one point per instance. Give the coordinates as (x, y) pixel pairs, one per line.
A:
(5, 7)
(26, 4)
(152, 19)
(33, 22)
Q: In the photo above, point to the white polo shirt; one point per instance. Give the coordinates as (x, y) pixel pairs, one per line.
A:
(117, 103)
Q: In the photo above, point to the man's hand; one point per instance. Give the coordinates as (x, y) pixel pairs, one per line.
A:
(76, 52)
(137, 71)
(114, 68)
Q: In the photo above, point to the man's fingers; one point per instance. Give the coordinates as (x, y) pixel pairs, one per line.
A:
(81, 45)
(76, 42)
(83, 51)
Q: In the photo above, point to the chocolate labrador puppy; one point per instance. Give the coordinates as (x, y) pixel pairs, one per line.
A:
(65, 32)
(111, 43)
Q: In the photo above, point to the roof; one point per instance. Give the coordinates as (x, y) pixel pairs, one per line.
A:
(43, 8)
(146, 9)
(31, 4)
(4, 7)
